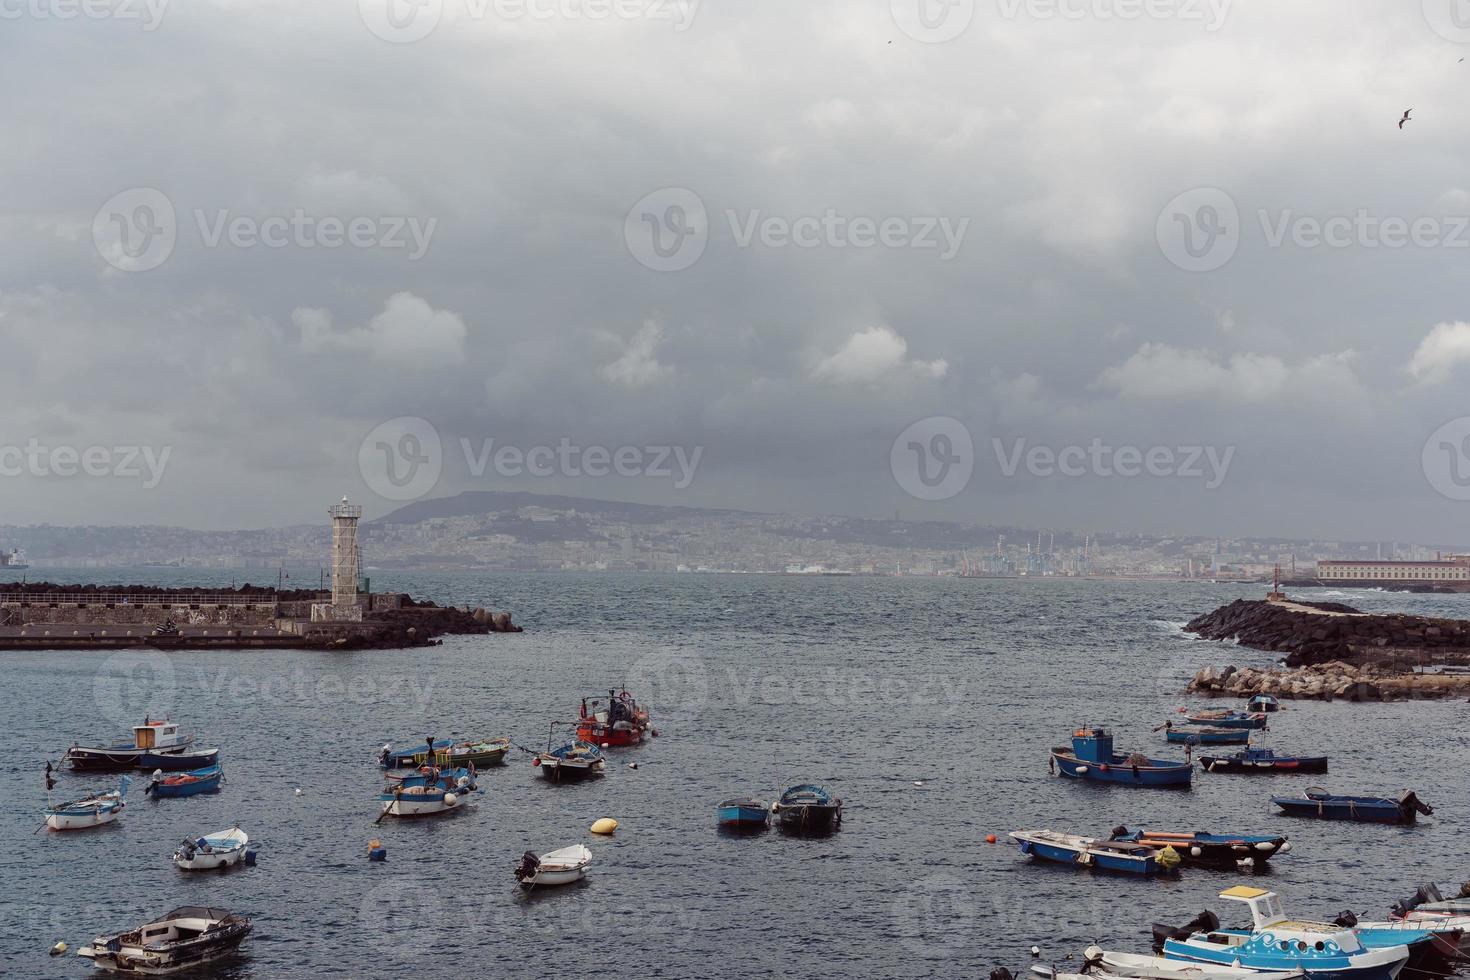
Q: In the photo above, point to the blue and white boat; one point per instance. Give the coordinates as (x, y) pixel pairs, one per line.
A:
(425, 794)
(193, 783)
(1206, 735)
(1264, 703)
(1091, 757)
(743, 813)
(1321, 950)
(411, 757)
(1322, 805)
(223, 849)
(573, 761)
(1256, 761)
(1088, 852)
(89, 811)
(1228, 718)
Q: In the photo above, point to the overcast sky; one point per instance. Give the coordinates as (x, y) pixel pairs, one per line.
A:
(754, 241)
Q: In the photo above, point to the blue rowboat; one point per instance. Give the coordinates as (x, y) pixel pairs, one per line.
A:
(410, 758)
(1322, 805)
(1263, 702)
(742, 813)
(179, 762)
(1245, 850)
(1203, 735)
(1323, 951)
(1088, 852)
(1228, 718)
(205, 780)
(1091, 757)
(1263, 761)
(428, 775)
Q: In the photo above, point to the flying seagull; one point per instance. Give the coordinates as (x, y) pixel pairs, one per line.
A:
(1405, 119)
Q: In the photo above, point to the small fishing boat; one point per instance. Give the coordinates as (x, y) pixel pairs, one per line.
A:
(179, 762)
(1091, 757)
(560, 867)
(1245, 850)
(89, 811)
(1089, 852)
(193, 783)
(614, 722)
(573, 761)
(1263, 702)
(1205, 735)
(426, 774)
(157, 737)
(1262, 761)
(447, 754)
(1428, 909)
(742, 813)
(426, 793)
(1322, 805)
(182, 939)
(1228, 718)
(1324, 951)
(809, 808)
(224, 849)
(1100, 965)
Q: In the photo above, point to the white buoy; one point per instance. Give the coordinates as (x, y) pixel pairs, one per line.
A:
(918, 782)
(58, 949)
(1035, 950)
(632, 765)
(300, 791)
(450, 799)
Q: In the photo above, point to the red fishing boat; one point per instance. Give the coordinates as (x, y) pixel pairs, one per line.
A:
(614, 721)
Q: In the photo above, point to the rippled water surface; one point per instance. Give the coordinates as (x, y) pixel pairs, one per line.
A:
(868, 685)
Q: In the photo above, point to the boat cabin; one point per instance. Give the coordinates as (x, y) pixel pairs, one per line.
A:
(1092, 745)
(1290, 934)
(156, 735)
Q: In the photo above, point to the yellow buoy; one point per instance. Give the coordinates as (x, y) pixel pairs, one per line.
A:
(1169, 858)
(58, 949)
(605, 826)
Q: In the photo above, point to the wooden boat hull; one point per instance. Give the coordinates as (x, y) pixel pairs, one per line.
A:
(561, 771)
(609, 736)
(222, 850)
(178, 761)
(1078, 854)
(448, 755)
(115, 758)
(1213, 849)
(83, 819)
(217, 934)
(748, 814)
(1209, 736)
(810, 818)
(1384, 811)
(1121, 772)
(1243, 766)
(192, 783)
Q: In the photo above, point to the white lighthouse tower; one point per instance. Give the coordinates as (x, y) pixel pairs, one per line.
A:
(344, 603)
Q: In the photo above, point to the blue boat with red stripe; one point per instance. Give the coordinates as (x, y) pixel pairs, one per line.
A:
(1091, 757)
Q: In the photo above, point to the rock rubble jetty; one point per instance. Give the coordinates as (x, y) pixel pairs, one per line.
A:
(1333, 651)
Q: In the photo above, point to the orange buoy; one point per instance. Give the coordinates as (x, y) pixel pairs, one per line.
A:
(990, 838)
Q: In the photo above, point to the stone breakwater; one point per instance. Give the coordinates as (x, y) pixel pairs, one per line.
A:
(1335, 652)
(47, 616)
(1333, 681)
(1320, 632)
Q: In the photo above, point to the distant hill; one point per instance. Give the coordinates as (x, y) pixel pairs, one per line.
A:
(473, 503)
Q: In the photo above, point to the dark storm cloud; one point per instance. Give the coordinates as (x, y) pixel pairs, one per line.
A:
(979, 229)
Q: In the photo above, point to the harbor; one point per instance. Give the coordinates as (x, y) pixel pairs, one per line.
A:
(736, 716)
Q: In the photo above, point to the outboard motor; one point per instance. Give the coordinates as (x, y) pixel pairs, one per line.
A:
(1346, 919)
(1118, 831)
(1425, 893)
(1001, 973)
(1410, 801)
(1464, 890)
(530, 863)
(1206, 921)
